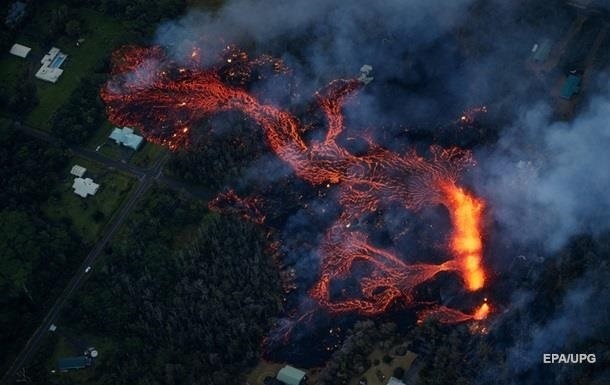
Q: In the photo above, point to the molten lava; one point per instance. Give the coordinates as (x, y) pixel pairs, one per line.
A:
(466, 242)
(163, 99)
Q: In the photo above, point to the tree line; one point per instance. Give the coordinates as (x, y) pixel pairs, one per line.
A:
(37, 252)
(185, 296)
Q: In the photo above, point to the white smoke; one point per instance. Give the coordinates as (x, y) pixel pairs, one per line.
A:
(548, 180)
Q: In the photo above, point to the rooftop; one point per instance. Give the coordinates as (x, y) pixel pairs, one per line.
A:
(543, 50)
(84, 187)
(78, 170)
(126, 137)
(20, 50)
(395, 381)
(570, 87)
(67, 363)
(51, 62)
(290, 376)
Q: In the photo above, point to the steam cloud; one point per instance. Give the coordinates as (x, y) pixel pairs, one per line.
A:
(548, 180)
(544, 180)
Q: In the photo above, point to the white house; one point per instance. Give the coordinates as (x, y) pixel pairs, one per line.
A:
(395, 381)
(78, 171)
(126, 137)
(84, 187)
(291, 376)
(365, 74)
(51, 62)
(20, 50)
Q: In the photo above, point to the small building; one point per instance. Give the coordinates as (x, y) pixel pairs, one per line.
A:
(91, 352)
(541, 51)
(365, 74)
(125, 136)
(78, 171)
(570, 87)
(51, 62)
(395, 381)
(73, 363)
(84, 187)
(291, 376)
(20, 50)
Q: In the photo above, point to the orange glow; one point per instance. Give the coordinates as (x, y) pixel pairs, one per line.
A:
(364, 182)
(466, 242)
(482, 312)
(447, 315)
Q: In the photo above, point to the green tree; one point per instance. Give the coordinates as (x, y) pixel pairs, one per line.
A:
(74, 28)
(19, 245)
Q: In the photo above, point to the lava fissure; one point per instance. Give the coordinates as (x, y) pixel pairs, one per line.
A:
(164, 100)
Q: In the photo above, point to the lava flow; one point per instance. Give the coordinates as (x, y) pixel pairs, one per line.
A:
(164, 99)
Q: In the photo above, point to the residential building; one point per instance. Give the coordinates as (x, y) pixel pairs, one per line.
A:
(20, 50)
(51, 62)
(84, 187)
(570, 87)
(125, 136)
(78, 171)
(291, 376)
(395, 381)
(541, 51)
(73, 363)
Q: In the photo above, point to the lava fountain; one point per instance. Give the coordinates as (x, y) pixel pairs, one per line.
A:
(164, 99)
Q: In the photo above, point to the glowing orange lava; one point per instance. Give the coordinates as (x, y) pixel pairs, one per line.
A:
(466, 243)
(164, 100)
(482, 312)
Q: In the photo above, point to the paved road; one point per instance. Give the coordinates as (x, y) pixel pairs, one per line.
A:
(88, 153)
(155, 171)
(146, 178)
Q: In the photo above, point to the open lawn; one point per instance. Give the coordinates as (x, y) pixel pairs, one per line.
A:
(11, 68)
(107, 147)
(380, 373)
(144, 157)
(101, 34)
(147, 154)
(89, 215)
(65, 342)
(263, 370)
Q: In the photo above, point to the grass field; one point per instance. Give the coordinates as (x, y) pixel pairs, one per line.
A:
(11, 68)
(144, 157)
(101, 35)
(106, 146)
(63, 347)
(147, 154)
(89, 215)
(379, 374)
(263, 370)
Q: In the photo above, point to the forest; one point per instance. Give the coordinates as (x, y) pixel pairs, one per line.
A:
(37, 253)
(222, 151)
(82, 114)
(186, 297)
